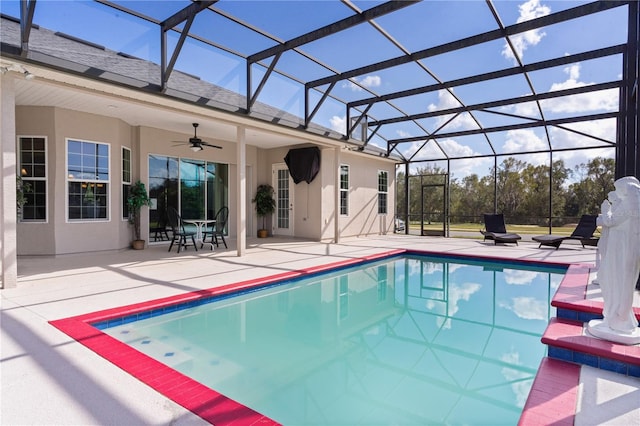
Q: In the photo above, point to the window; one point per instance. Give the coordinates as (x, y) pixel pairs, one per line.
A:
(197, 189)
(88, 180)
(33, 170)
(344, 189)
(383, 185)
(126, 180)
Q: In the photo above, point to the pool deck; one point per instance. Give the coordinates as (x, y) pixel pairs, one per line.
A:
(48, 378)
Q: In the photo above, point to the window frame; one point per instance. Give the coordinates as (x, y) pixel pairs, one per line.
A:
(126, 185)
(45, 179)
(69, 179)
(344, 191)
(383, 192)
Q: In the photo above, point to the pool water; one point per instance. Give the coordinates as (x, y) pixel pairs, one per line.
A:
(408, 340)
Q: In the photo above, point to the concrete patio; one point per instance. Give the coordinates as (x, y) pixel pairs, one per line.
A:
(48, 378)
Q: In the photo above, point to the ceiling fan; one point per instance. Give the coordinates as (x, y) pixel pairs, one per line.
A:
(198, 144)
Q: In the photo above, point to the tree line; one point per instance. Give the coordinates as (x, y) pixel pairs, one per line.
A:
(515, 188)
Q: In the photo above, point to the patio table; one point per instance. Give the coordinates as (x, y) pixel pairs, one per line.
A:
(200, 224)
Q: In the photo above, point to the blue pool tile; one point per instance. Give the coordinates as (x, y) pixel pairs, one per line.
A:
(613, 365)
(567, 314)
(634, 370)
(131, 318)
(115, 322)
(586, 359)
(560, 353)
(588, 316)
(144, 315)
(156, 312)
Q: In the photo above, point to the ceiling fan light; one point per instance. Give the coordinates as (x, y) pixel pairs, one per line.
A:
(196, 148)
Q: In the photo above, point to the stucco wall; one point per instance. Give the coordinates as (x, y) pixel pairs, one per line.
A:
(314, 203)
(37, 237)
(58, 235)
(363, 217)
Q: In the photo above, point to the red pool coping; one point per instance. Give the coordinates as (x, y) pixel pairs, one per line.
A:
(553, 397)
(203, 401)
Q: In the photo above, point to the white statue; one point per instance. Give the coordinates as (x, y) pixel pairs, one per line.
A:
(604, 234)
(619, 266)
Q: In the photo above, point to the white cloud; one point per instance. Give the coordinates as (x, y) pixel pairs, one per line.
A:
(458, 293)
(519, 386)
(427, 152)
(368, 82)
(446, 100)
(604, 100)
(519, 140)
(528, 308)
(518, 277)
(339, 124)
(454, 149)
(467, 166)
(529, 10)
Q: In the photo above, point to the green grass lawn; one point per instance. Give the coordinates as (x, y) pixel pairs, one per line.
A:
(518, 229)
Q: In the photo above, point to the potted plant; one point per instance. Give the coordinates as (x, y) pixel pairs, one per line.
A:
(137, 198)
(265, 205)
(22, 188)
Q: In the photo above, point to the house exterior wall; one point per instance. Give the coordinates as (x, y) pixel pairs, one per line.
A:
(314, 203)
(38, 238)
(58, 235)
(363, 217)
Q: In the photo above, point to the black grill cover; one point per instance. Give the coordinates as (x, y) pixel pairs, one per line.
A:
(303, 163)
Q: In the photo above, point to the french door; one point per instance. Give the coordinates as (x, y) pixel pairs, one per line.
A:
(283, 186)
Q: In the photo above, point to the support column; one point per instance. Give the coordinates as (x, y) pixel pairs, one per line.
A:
(241, 200)
(628, 131)
(336, 196)
(8, 216)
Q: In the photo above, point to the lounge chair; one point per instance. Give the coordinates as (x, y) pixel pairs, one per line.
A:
(584, 233)
(496, 230)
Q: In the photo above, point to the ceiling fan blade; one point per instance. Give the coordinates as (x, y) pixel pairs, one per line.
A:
(210, 145)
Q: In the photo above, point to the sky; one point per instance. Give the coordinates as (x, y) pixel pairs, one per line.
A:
(411, 29)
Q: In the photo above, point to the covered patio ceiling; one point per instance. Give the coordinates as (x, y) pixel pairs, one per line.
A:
(413, 80)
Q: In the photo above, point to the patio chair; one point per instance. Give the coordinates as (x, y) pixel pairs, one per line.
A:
(496, 230)
(160, 230)
(217, 230)
(177, 229)
(584, 233)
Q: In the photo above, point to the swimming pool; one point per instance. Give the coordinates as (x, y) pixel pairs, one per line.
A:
(426, 331)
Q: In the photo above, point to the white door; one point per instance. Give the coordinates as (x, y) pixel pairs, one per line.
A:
(283, 185)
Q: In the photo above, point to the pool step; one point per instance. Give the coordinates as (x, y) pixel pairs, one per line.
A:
(566, 337)
(553, 395)
(567, 341)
